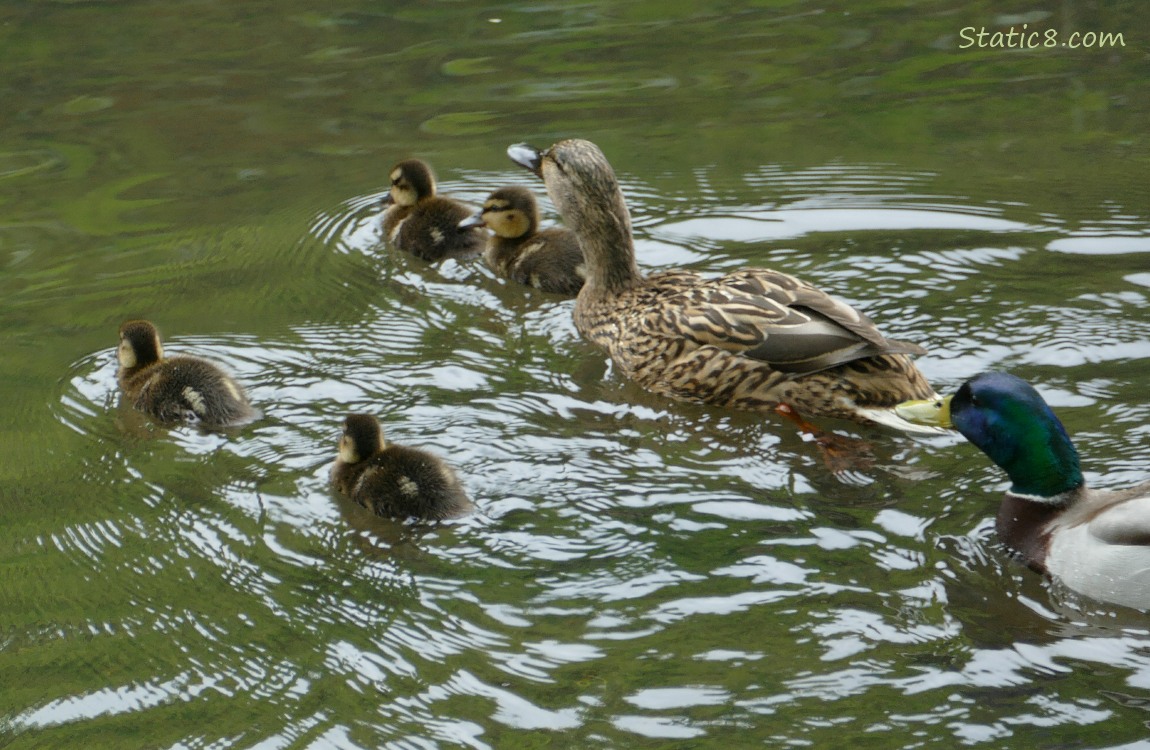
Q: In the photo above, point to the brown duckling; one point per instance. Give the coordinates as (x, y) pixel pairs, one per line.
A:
(752, 339)
(173, 389)
(395, 481)
(549, 260)
(422, 223)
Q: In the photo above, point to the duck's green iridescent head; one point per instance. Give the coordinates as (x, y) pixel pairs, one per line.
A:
(1010, 422)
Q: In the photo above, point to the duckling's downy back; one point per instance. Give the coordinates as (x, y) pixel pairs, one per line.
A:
(179, 388)
(420, 222)
(549, 260)
(395, 481)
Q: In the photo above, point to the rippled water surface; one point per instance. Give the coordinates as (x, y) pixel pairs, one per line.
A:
(642, 573)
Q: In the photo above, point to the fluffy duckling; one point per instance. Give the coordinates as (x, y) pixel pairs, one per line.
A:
(394, 480)
(752, 339)
(173, 389)
(422, 223)
(1095, 542)
(549, 260)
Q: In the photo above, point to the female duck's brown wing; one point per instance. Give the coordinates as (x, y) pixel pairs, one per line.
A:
(780, 320)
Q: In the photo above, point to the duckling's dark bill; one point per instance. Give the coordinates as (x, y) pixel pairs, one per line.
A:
(476, 220)
(929, 413)
(526, 156)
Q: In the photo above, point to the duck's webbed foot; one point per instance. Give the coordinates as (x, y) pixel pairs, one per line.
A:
(846, 457)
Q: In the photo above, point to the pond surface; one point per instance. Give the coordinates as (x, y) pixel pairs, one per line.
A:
(642, 573)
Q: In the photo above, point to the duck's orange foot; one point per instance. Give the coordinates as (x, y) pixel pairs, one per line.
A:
(846, 457)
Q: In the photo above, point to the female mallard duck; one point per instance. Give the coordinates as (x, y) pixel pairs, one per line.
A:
(422, 223)
(549, 260)
(752, 339)
(172, 389)
(393, 480)
(1095, 542)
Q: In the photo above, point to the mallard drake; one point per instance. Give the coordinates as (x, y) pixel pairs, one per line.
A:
(549, 260)
(173, 389)
(1095, 542)
(395, 481)
(418, 221)
(752, 339)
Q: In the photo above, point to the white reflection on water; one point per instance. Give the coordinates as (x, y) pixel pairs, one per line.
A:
(1100, 245)
(789, 223)
(678, 697)
(103, 702)
(658, 727)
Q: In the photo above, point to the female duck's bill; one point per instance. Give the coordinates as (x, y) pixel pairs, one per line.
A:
(526, 156)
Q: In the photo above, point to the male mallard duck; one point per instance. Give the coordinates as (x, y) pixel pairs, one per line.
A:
(172, 389)
(1095, 542)
(394, 480)
(752, 339)
(422, 223)
(549, 260)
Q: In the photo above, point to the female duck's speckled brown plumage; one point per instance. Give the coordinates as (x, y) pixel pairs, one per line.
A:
(422, 223)
(549, 260)
(395, 481)
(751, 339)
(174, 389)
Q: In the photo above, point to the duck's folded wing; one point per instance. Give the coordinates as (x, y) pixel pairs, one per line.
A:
(784, 322)
(1126, 522)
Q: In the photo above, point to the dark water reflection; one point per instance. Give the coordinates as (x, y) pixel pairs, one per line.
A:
(640, 572)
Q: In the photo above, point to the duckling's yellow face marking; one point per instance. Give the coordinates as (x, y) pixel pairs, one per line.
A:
(126, 354)
(411, 182)
(403, 193)
(347, 452)
(128, 357)
(505, 220)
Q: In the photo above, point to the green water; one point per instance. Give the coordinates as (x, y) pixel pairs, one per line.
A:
(643, 573)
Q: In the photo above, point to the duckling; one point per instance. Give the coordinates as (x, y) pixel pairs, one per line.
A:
(753, 339)
(549, 260)
(394, 480)
(422, 223)
(1095, 542)
(173, 389)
